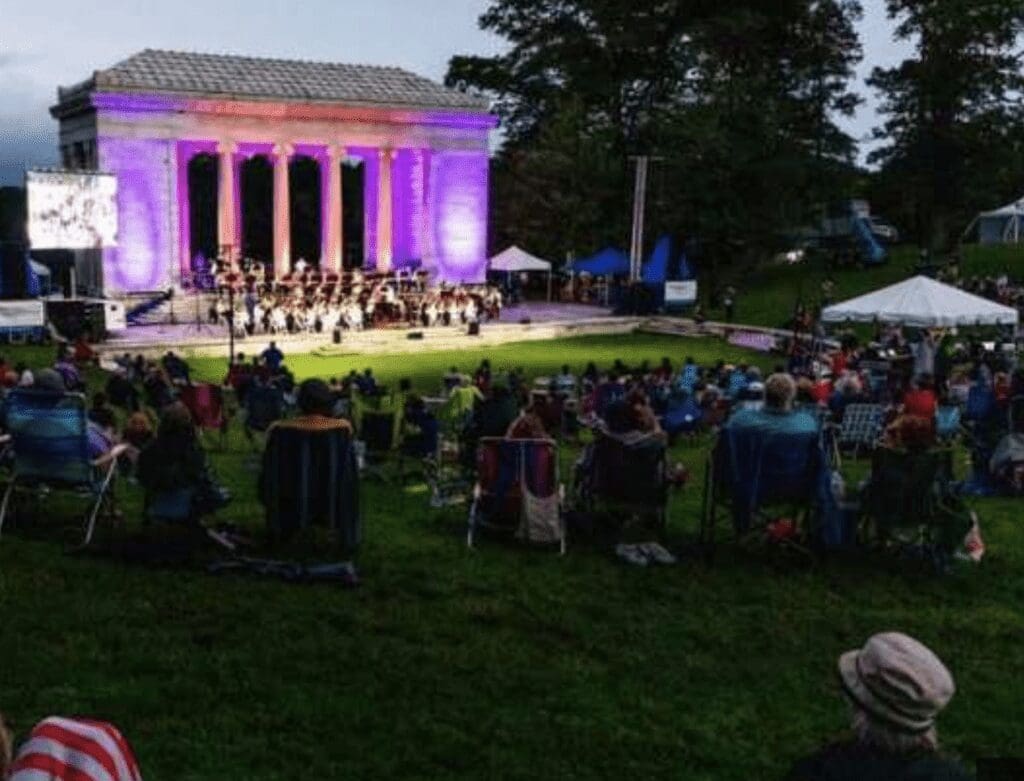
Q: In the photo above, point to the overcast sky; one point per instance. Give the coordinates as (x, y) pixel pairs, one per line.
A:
(45, 43)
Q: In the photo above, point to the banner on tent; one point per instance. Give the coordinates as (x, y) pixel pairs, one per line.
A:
(684, 292)
(22, 314)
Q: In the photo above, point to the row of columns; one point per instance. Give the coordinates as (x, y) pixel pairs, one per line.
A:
(331, 230)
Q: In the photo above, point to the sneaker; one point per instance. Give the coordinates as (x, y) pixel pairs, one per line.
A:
(658, 554)
(631, 554)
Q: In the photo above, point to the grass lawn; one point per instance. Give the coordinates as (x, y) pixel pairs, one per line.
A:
(500, 662)
(768, 295)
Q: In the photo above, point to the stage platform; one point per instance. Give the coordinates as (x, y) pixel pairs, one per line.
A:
(547, 321)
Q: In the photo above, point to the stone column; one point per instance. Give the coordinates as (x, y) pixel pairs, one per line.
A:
(332, 232)
(384, 212)
(226, 194)
(282, 211)
(184, 154)
(427, 227)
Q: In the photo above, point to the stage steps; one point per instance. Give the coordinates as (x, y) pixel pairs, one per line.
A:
(150, 310)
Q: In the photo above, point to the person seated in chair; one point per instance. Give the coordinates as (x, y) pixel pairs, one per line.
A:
(848, 390)
(121, 391)
(68, 371)
(896, 688)
(83, 353)
(494, 415)
(778, 414)
(177, 370)
(529, 425)
(175, 461)
(316, 409)
(920, 401)
(367, 383)
(421, 435)
(99, 429)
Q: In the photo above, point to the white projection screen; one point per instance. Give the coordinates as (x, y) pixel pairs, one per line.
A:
(71, 211)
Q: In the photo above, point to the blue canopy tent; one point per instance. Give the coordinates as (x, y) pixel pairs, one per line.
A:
(606, 263)
(655, 271)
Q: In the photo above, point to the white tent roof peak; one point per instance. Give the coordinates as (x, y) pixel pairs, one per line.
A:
(515, 259)
(1017, 207)
(921, 302)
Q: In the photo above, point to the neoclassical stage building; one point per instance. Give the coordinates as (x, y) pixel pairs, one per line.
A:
(343, 165)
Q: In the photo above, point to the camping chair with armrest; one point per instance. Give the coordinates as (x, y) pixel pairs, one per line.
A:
(625, 477)
(264, 406)
(861, 427)
(206, 403)
(50, 442)
(752, 469)
(377, 435)
(518, 491)
(910, 501)
(947, 422)
(310, 477)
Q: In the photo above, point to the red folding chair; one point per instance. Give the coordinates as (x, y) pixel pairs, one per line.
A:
(206, 403)
(518, 491)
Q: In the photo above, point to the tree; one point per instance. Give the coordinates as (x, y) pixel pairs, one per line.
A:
(737, 100)
(949, 106)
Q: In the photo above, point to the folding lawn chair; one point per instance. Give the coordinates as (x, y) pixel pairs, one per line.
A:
(947, 423)
(264, 406)
(861, 427)
(909, 499)
(683, 417)
(49, 438)
(206, 403)
(518, 491)
(309, 477)
(750, 469)
(377, 433)
(625, 479)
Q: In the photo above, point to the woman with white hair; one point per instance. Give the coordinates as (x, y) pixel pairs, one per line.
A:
(896, 688)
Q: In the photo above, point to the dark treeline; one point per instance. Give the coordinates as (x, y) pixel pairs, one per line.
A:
(740, 101)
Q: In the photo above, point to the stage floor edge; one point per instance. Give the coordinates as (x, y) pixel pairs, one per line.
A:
(548, 321)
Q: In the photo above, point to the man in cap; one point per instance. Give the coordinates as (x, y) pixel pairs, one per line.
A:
(896, 687)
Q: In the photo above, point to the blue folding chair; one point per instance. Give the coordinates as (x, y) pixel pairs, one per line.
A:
(947, 422)
(49, 438)
(688, 378)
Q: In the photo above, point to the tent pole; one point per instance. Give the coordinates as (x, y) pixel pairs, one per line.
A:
(549, 286)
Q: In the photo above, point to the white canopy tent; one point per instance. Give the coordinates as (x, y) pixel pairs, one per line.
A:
(514, 260)
(1000, 226)
(921, 302)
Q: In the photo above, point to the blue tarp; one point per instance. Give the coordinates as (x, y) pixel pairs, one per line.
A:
(30, 287)
(607, 262)
(655, 270)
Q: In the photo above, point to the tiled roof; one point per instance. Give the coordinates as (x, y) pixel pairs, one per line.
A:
(218, 75)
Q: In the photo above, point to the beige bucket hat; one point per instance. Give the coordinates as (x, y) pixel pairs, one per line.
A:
(898, 680)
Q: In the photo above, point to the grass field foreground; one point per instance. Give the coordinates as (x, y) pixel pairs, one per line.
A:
(501, 662)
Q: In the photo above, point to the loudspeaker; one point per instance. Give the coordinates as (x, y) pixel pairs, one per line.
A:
(13, 268)
(414, 335)
(525, 321)
(336, 336)
(69, 317)
(474, 329)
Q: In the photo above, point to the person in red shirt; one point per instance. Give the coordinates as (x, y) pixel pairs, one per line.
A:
(84, 354)
(840, 361)
(920, 401)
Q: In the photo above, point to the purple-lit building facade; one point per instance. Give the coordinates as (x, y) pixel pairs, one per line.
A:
(424, 150)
